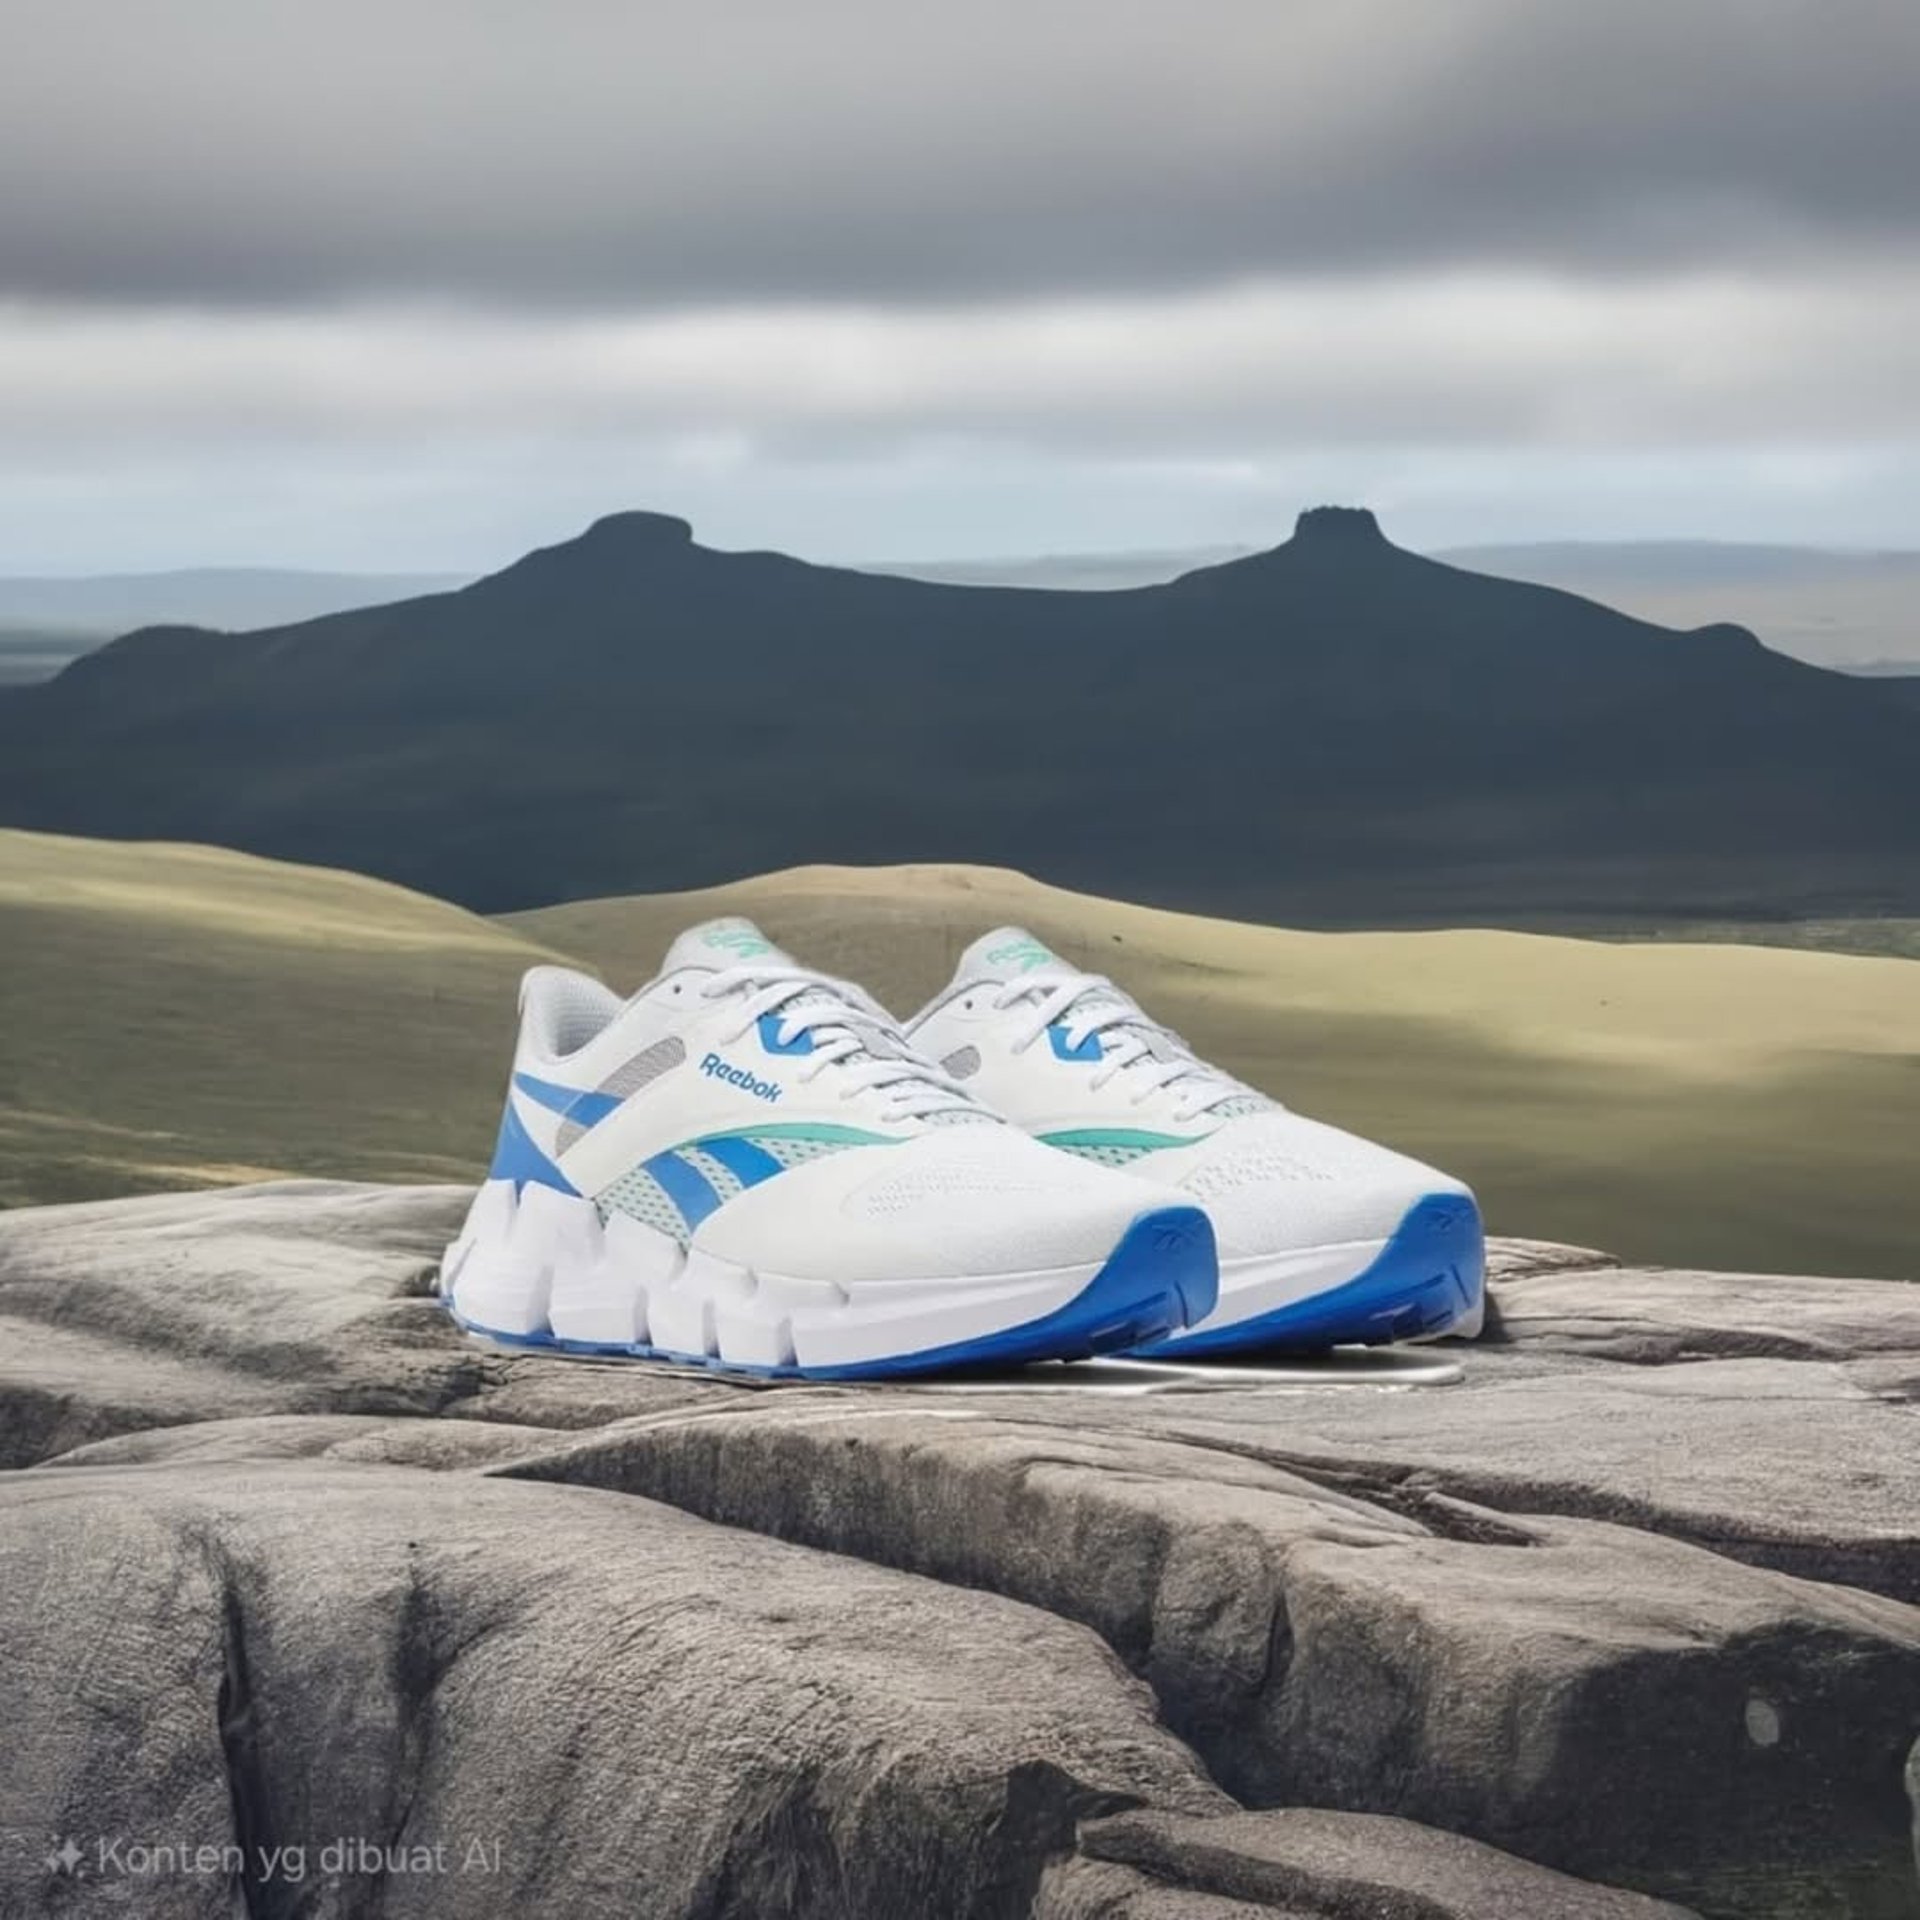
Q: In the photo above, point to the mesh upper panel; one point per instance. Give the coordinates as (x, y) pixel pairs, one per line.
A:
(1255, 1164)
(638, 1193)
(1003, 1174)
(1108, 1156)
(722, 1180)
(791, 1153)
(1244, 1103)
(1277, 1180)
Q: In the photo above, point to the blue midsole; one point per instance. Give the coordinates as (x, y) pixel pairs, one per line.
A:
(1428, 1277)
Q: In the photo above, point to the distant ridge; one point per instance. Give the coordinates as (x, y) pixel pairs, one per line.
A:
(1331, 729)
(1833, 608)
(230, 597)
(1857, 611)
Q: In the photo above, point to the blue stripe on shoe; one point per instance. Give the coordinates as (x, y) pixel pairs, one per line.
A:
(749, 1164)
(770, 1025)
(516, 1157)
(589, 1109)
(685, 1185)
(1079, 1052)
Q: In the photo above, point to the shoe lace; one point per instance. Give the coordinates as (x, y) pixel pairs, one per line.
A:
(1131, 1042)
(852, 1035)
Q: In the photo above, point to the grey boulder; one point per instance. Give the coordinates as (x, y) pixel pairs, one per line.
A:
(285, 1559)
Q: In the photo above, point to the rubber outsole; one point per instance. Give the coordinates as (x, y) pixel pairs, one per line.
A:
(1428, 1280)
(1163, 1274)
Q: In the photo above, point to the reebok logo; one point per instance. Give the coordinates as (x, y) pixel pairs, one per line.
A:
(738, 939)
(1025, 953)
(717, 1069)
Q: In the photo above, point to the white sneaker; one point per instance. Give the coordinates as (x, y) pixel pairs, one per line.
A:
(1324, 1238)
(745, 1165)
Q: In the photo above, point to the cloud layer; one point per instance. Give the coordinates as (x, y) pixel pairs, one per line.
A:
(1421, 360)
(272, 151)
(413, 284)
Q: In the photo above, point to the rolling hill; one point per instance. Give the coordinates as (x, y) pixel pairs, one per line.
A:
(180, 1016)
(1335, 730)
(186, 1016)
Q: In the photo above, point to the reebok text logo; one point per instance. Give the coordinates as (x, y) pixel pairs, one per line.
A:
(717, 1069)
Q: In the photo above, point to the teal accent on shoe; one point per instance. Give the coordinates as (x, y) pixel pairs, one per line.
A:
(1025, 954)
(823, 1130)
(1073, 1138)
(742, 941)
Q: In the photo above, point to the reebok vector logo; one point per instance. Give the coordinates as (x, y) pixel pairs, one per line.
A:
(717, 1069)
(1025, 953)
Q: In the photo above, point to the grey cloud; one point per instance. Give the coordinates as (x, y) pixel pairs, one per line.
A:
(1469, 359)
(592, 153)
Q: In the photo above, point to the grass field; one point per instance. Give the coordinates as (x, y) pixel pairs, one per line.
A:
(176, 1016)
(1883, 935)
(1738, 1106)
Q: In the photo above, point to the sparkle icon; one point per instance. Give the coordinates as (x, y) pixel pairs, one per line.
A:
(65, 1857)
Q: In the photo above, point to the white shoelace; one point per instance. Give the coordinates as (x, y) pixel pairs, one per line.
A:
(1153, 1056)
(851, 1033)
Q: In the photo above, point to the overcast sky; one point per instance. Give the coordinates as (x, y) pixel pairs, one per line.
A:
(419, 283)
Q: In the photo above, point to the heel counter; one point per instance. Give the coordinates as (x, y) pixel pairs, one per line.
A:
(517, 1156)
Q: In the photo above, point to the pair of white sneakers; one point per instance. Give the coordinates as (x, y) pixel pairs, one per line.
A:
(749, 1165)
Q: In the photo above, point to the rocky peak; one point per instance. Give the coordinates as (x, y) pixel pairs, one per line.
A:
(1338, 526)
(635, 530)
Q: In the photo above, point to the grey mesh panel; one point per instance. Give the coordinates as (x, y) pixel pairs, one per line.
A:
(628, 1078)
(961, 1065)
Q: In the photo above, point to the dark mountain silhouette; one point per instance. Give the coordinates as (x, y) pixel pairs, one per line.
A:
(1335, 728)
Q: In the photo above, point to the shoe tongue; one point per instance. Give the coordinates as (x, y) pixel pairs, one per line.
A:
(718, 944)
(1004, 955)
(731, 942)
(1008, 954)
(734, 942)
